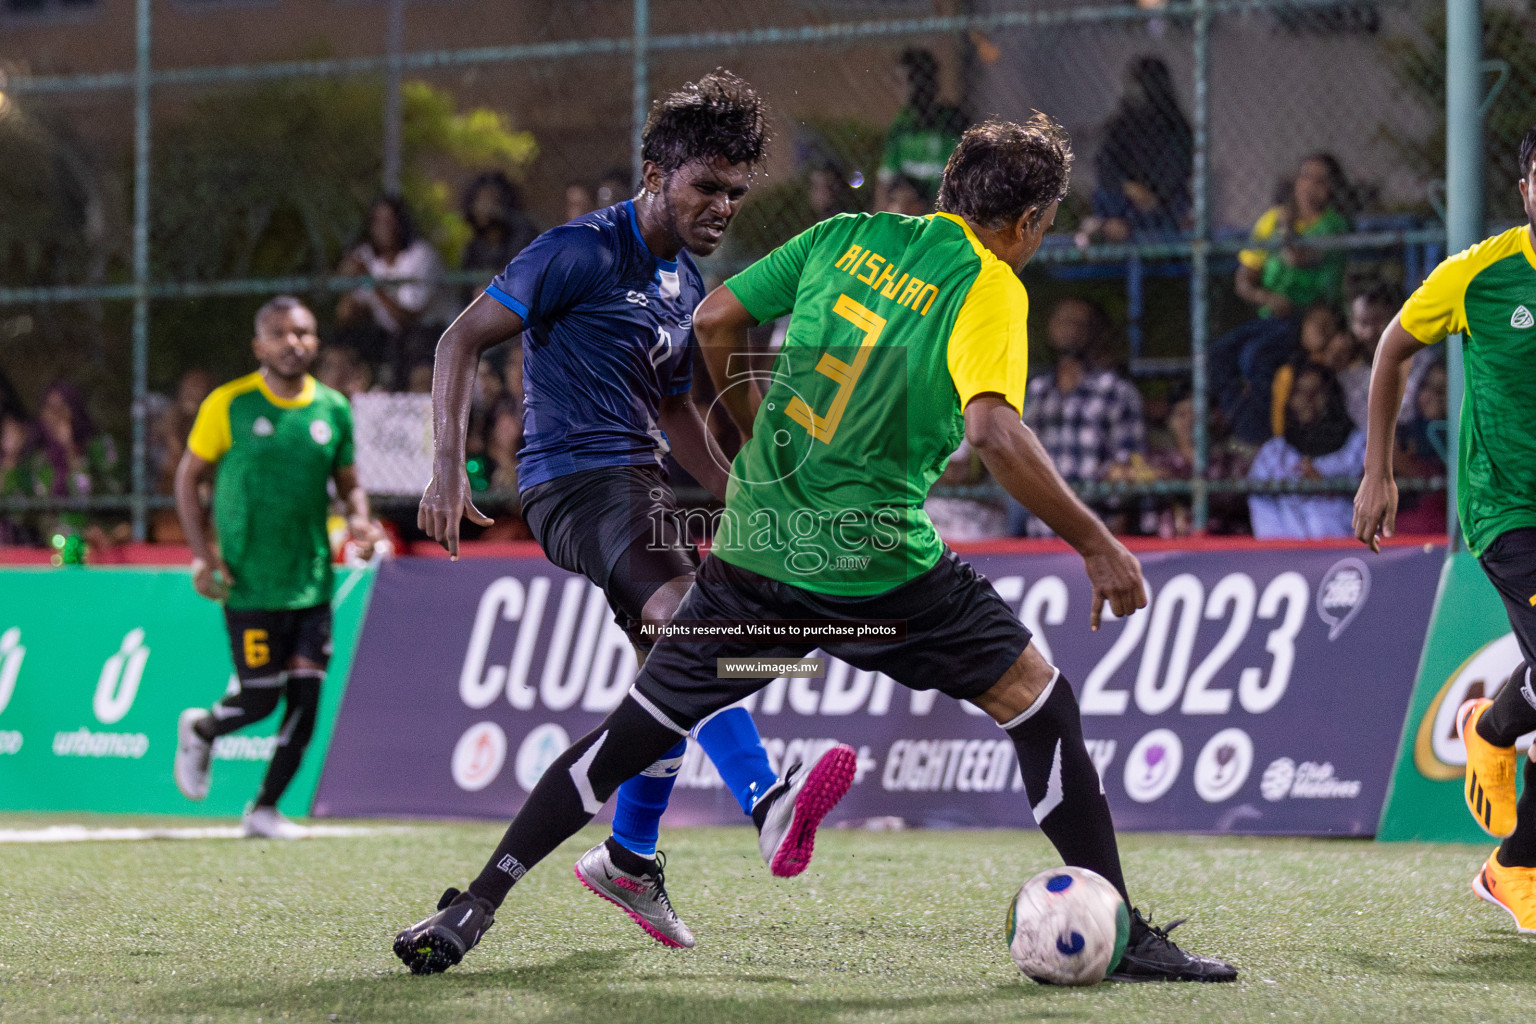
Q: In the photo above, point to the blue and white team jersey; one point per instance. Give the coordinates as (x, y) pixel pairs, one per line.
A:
(608, 331)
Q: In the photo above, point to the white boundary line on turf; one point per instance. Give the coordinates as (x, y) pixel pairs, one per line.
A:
(82, 834)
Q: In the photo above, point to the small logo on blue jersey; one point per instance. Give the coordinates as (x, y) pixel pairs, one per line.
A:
(638, 299)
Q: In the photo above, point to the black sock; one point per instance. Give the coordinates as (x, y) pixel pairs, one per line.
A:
(248, 705)
(572, 791)
(303, 693)
(1063, 786)
(626, 859)
(1514, 710)
(1519, 850)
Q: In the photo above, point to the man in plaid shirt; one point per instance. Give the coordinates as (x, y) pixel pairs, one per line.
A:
(1088, 418)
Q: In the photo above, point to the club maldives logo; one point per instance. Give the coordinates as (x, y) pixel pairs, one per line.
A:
(1437, 750)
(1223, 765)
(1310, 780)
(1342, 594)
(538, 751)
(478, 756)
(1153, 765)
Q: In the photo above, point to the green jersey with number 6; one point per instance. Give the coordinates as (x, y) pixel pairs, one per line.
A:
(897, 323)
(270, 501)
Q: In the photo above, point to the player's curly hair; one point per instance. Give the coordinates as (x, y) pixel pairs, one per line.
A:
(1001, 169)
(1527, 152)
(720, 115)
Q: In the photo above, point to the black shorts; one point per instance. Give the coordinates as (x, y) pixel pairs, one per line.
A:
(264, 643)
(960, 636)
(619, 527)
(1510, 563)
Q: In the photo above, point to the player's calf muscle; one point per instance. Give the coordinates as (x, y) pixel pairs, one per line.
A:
(1019, 687)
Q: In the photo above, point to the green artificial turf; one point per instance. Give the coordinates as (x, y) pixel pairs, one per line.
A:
(883, 927)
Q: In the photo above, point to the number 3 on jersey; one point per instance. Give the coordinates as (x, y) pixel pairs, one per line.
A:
(824, 428)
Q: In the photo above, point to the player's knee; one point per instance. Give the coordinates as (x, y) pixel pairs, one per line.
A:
(254, 703)
(662, 605)
(1021, 685)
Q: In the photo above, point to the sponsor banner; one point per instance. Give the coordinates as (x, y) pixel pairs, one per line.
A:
(1261, 691)
(1470, 652)
(95, 667)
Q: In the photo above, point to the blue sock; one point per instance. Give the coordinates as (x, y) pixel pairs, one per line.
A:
(643, 799)
(732, 743)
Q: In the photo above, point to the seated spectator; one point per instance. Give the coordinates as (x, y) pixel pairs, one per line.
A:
(1279, 283)
(71, 458)
(961, 519)
(493, 208)
(1143, 167)
(924, 132)
(1324, 342)
(15, 473)
(390, 325)
(1421, 452)
(1319, 443)
(339, 368)
(1088, 417)
(1171, 456)
(905, 196)
(502, 443)
(167, 440)
(1369, 313)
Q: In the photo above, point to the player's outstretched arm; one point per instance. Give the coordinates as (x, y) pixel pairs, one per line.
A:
(447, 498)
(1376, 500)
(721, 324)
(1016, 459)
(210, 576)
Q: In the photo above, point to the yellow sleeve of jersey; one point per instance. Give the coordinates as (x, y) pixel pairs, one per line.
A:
(1263, 231)
(210, 437)
(1438, 307)
(989, 347)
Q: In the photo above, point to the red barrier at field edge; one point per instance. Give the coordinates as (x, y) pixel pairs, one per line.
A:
(1262, 691)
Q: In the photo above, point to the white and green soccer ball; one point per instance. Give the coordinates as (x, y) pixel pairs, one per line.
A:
(1067, 926)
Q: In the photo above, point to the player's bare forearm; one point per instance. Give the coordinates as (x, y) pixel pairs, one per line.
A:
(1375, 514)
(721, 324)
(189, 510)
(693, 445)
(1016, 459)
(485, 323)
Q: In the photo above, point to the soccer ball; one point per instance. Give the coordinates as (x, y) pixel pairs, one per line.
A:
(1067, 926)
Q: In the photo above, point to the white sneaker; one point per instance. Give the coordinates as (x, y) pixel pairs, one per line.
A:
(266, 823)
(194, 756)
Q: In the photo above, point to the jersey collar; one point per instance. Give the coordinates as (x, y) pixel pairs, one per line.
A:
(634, 224)
(1525, 246)
(970, 236)
(304, 397)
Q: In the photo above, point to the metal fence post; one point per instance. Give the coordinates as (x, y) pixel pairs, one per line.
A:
(1199, 265)
(1463, 194)
(392, 105)
(140, 468)
(642, 95)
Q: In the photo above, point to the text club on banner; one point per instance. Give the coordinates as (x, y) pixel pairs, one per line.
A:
(1470, 653)
(1230, 704)
(95, 667)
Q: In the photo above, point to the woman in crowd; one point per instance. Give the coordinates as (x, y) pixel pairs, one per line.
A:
(1319, 443)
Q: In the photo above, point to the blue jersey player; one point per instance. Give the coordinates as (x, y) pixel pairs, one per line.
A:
(605, 307)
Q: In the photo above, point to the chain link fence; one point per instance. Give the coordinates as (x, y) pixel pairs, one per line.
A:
(147, 207)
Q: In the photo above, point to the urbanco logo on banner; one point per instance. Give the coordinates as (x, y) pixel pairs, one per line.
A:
(478, 756)
(1153, 765)
(1223, 765)
(12, 654)
(538, 751)
(1437, 749)
(117, 687)
(1342, 593)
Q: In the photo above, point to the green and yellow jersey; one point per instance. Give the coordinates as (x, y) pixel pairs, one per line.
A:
(1488, 294)
(1323, 281)
(275, 456)
(897, 323)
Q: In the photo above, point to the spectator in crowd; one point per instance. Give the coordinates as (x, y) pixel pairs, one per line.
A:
(1144, 165)
(167, 440)
(905, 195)
(1324, 342)
(962, 519)
(1280, 283)
(72, 458)
(419, 380)
(615, 186)
(390, 324)
(1369, 313)
(1319, 443)
(579, 200)
(924, 132)
(1421, 452)
(338, 367)
(493, 208)
(1171, 456)
(828, 191)
(1086, 415)
(15, 471)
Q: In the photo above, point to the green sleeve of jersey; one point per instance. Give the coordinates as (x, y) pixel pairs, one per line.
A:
(767, 288)
(346, 453)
